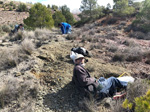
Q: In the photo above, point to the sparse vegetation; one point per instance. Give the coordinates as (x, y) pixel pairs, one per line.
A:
(28, 46)
(71, 36)
(13, 90)
(6, 28)
(36, 70)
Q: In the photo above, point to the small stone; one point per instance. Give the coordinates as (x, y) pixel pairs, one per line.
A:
(17, 74)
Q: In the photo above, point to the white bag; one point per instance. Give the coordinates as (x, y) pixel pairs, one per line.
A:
(73, 55)
(126, 79)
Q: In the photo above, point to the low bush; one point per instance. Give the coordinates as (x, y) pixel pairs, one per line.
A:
(112, 21)
(133, 54)
(9, 58)
(21, 92)
(130, 54)
(10, 8)
(28, 46)
(71, 36)
(6, 28)
(147, 37)
(143, 103)
(129, 43)
(138, 35)
(118, 57)
(112, 47)
(1, 2)
(137, 100)
(22, 7)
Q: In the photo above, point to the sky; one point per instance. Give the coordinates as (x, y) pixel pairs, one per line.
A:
(74, 5)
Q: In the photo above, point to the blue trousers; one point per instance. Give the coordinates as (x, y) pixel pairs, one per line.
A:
(109, 86)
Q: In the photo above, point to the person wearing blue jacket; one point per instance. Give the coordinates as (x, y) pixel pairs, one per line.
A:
(65, 27)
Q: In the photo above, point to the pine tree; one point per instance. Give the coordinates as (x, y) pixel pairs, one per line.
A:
(58, 18)
(40, 16)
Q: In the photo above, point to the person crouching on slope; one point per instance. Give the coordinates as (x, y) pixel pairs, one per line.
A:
(17, 27)
(65, 27)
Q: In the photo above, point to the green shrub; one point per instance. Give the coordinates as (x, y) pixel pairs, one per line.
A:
(142, 19)
(122, 8)
(67, 14)
(11, 3)
(10, 8)
(6, 28)
(58, 18)
(118, 57)
(14, 6)
(142, 103)
(22, 7)
(1, 2)
(40, 16)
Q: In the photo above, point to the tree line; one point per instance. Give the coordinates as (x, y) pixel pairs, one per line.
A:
(42, 16)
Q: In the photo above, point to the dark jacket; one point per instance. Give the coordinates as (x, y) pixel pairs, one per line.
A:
(82, 79)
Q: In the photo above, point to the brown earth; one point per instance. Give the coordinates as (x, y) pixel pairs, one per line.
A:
(12, 17)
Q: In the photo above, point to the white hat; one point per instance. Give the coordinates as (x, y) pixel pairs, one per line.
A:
(78, 56)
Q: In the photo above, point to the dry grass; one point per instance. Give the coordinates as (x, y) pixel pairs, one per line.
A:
(130, 43)
(129, 54)
(28, 46)
(91, 105)
(41, 32)
(88, 105)
(9, 57)
(112, 47)
(14, 90)
(90, 68)
(118, 107)
(72, 36)
(137, 89)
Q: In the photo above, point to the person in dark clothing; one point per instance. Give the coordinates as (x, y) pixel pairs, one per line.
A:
(101, 87)
(17, 27)
(65, 27)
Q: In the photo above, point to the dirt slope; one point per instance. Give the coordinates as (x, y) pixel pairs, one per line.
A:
(12, 17)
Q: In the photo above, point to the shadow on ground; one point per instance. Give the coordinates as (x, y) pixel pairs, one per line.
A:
(64, 100)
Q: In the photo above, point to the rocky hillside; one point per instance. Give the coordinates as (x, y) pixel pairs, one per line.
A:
(12, 17)
(9, 14)
(36, 69)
